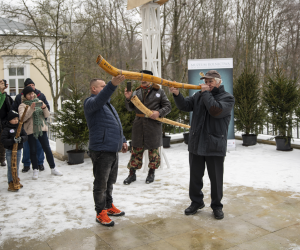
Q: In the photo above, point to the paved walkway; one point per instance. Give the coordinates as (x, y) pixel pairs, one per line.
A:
(254, 219)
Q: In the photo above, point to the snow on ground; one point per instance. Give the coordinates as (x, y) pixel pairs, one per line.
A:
(52, 204)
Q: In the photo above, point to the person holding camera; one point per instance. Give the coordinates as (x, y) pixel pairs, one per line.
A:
(36, 129)
(26, 150)
(146, 131)
(6, 103)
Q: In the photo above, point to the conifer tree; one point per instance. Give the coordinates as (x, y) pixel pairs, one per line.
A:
(281, 96)
(126, 117)
(173, 115)
(249, 112)
(70, 123)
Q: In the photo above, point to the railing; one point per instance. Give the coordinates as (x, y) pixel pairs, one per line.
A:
(50, 121)
(269, 129)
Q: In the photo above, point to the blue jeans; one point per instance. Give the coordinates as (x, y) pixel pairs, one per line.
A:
(8, 159)
(26, 154)
(46, 147)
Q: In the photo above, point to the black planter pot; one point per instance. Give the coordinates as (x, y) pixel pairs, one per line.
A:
(283, 143)
(75, 157)
(166, 141)
(186, 138)
(249, 140)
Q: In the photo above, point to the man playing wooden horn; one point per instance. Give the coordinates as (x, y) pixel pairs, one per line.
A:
(146, 131)
(208, 139)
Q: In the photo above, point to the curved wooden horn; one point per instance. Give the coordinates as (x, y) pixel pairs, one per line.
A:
(140, 76)
(14, 172)
(136, 101)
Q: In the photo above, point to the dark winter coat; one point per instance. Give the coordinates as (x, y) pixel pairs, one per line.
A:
(39, 94)
(8, 134)
(105, 128)
(6, 107)
(146, 131)
(210, 120)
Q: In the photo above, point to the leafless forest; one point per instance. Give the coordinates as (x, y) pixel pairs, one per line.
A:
(258, 33)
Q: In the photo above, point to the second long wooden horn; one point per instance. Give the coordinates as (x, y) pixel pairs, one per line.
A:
(140, 76)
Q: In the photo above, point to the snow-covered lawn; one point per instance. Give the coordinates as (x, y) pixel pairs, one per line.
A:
(52, 204)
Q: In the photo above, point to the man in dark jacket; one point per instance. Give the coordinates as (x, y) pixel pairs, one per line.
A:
(146, 131)
(208, 139)
(5, 105)
(26, 149)
(106, 140)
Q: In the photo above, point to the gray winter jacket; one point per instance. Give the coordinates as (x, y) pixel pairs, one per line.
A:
(210, 120)
(147, 132)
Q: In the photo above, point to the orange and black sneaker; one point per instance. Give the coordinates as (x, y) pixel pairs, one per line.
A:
(103, 219)
(113, 211)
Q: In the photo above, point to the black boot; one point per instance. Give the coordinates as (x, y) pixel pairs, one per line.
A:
(218, 213)
(25, 169)
(193, 208)
(41, 167)
(150, 177)
(131, 177)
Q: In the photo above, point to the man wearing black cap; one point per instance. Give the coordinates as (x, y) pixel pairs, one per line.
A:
(5, 105)
(208, 139)
(26, 149)
(146, 131)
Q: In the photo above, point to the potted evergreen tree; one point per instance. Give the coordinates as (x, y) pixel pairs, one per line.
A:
(126, 117)
(281, 96)
(185, 117)
(71, 127)
(297, 114)
(173, 115)
(249, 112)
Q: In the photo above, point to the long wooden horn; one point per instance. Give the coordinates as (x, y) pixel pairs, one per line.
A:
(136, 101)
(141, 76)
(14, 173)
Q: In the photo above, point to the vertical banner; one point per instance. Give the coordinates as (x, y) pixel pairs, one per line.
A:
(198, 68)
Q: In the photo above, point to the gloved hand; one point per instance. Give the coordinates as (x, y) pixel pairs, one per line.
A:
(18, 140)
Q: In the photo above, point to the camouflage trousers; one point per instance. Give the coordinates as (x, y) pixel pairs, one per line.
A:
(136, 159)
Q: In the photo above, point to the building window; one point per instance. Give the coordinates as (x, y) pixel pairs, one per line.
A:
(16, 78)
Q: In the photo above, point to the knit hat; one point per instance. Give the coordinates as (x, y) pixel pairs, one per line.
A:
(11, 115)
(28, 81)
(146, 72)
(27, 90)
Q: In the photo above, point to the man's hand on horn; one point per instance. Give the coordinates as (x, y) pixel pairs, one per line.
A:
(154, 115)
(175, 91)
(116, 80)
